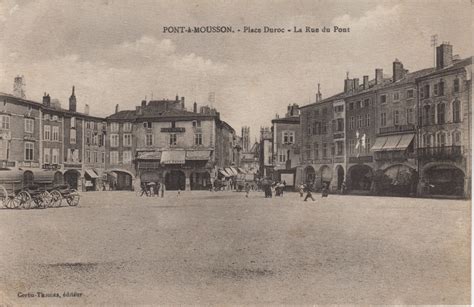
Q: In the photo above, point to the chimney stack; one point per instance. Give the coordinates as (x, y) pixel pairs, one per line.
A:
(195, 107)
(319, 96)
(138, 110)
(72, 101)
(356, 84)
(348, 85)
(46, 100)
(86, 109)
(366, 82)
(143, 103)
(398, 71)
(444, 55)
(182, 103)
(378, 75)
(116, 108)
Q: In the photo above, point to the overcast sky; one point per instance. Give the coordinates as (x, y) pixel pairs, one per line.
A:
(114, 51)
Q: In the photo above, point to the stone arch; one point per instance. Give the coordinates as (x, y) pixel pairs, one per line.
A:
(340, 175)
(175, 180)
(360, 177)
(71, 178)
(200, 180)
(309, 174)
(443, 179)
(326, 175)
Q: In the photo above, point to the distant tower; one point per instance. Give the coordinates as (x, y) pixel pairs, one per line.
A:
(245, 138)
(72, 101)
(19, 87)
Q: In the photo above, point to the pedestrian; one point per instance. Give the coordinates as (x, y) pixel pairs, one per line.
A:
(325, 191)
(301, 190)
(162, 189)
(308, 193)
(157, 189)
(343, 187)
(247, 190)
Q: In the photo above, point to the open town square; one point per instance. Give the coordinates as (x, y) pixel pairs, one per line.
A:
(206, 247)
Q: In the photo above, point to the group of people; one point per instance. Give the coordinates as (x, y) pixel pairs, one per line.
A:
(306, 188)
(152, 189)
(278, 187)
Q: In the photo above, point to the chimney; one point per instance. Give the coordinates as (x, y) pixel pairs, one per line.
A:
(72, 101)
(139, 110)
(348, 85)
(46, 100)
(116, 108)
(398, 71)
(378, 75)
(444, 55)
(177, 98)
(143, 103)
(195, 107)
(86, 109)
(182, 103)
(318, 94)
(356, 84)
(366, 82)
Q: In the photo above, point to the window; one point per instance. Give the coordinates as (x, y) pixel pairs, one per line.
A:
(72, 136)
(127, 156)
(456, 138)
(325, 111)
(333, 149)
(367, 145)
(441, 113)
(55, 133)
(88, 138)
(352, 123)
(352, 146)
(114, 157)
(396, 96)
(351, 106)
(359, 121)
(127, 127)
(173, 124)
(426, 114)
(281, 156)
(366, 102)
(147, 125)
(383, 119)
(325, 150)
(149, 140)
(114, 127)
(309, 129)
(29, 125)
(95, 139)
(55, 118)
(308, 152)
(102, 157)
(316, 151)
(441, 88)
(197, 139)
(46, 116)
(172, 139)
(114, 140)
(410, 94)
(88, 125)
(340, 124)
(325, 127)
(96, 125)
(55, 156)
(367, 120)
(427, 140)
(73, 122)
(359, 104)
(410, 116)
(441, 139)
(88, 156)
(94, 157)
(127, 140)
(338, 109)
(435, 90)
(383, 98)
(4, 122)
(456, 111)
(288, 137)
(396, 117)
(456, 85)
(426, 91)
(101, 139)
(196, 123)
(46, 155)
(29, 151)
(47, 133)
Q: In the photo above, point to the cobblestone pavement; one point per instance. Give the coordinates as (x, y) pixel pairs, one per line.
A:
(214, 248)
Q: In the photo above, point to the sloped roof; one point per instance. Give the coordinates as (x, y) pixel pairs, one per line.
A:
(287, 120)
(124, 115)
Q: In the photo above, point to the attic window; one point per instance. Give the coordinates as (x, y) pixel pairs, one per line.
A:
(147, 125)
(196, 123)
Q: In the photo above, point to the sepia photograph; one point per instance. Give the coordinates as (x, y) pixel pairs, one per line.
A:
(235, 152)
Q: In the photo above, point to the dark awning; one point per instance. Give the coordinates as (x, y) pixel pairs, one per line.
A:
(173, 157)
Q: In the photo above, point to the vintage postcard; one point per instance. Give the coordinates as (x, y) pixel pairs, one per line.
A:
(235, 152)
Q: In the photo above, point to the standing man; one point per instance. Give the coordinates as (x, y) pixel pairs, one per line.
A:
(308, 192)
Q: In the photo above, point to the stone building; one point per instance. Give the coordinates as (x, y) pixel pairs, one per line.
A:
(286, 145)
(444, 134)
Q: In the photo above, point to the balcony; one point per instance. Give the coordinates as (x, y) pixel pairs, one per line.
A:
(338, 135)
(450, 153)
(397, 129)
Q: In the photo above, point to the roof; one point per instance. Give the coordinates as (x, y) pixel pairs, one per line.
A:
(457, 65)
(409, 78)
(123, 115)
(287, 120)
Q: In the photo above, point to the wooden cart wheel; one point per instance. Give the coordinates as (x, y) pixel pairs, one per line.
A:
(3, 197)
(24, 200)
(56, 199)
(45, 199)
(73, 198)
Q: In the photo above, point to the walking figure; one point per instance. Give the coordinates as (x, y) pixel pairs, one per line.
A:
(325, 191)
(301, 190)
(247, 190)
(308, 193)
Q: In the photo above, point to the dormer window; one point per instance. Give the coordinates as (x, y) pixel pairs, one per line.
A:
(196, 123)
(147, 125)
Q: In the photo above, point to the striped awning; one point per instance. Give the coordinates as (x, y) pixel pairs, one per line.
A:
(92, 173)
(173, 157)
(224, 173)
(154, 155)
